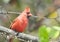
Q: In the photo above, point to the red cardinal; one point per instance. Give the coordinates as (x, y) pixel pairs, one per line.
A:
(20, 23)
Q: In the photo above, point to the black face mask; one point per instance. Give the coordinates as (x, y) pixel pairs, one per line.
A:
(27, 14)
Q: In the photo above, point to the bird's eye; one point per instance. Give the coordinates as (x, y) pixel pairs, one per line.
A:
(28, 12)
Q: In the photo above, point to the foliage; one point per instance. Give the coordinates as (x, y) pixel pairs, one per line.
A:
(43, 34)
(46, 33)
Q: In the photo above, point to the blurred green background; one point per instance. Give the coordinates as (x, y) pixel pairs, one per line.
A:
(48, 12)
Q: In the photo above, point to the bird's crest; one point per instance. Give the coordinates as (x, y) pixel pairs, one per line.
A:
(27, 9)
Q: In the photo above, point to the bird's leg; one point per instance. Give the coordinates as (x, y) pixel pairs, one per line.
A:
(10, 38)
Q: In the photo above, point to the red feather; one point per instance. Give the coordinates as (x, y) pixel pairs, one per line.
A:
(20, 23)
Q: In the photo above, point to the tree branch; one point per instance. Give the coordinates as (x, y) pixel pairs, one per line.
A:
(20, 35)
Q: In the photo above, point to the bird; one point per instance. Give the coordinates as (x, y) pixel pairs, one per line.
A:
(20, 23)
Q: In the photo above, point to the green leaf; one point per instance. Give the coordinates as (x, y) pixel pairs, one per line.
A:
(48, 29)
(56, 28)
(57, 31)
(56, 34)
(43, 34)
(53, 32)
